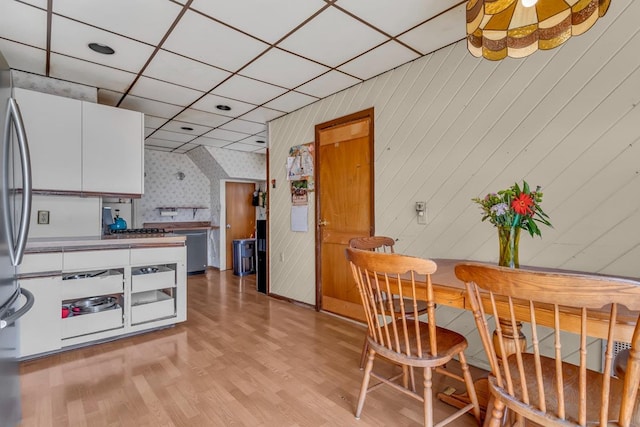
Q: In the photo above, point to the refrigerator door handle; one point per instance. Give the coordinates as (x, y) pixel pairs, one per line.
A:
(4, 322)
(15, 117)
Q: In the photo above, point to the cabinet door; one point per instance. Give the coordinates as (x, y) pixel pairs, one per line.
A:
(112, 150)
(54, 130)
(40, 327)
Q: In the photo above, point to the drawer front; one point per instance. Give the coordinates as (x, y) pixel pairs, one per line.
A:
(92, 322)
(111, 282)
(150, 256)
(87, 260)
(39, 263)
(163, 278)
(157, 305)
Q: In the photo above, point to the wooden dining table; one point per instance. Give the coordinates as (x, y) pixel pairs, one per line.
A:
(450, 291)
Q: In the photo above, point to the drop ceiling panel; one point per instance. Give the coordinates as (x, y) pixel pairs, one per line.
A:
(25, 58)
(325, 85)
(391, 18)
(172, 136)
(176, 126)
(129, 18)
(244, 126)
(201, 38)
(439, 32)
(262, 115)
(226, 135)
(239, 146)
(248, 90)
(209, 103)
(149, 106)
(291, 101)
(148, 131)
(317, 42)
(165, 92)
(210, 142)
(284, 69)
(268, 20)
(183, 71)
(71, 38)
(253, 140)
(203, 118)
(383, 58)
(24, 24)
(38, 3)
(89, 73)
(153, 122)
(261, 151)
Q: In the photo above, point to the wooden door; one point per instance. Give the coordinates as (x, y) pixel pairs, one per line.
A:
(344, 197)
(240, 215)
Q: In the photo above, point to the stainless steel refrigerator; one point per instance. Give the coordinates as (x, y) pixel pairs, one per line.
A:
(15, 209)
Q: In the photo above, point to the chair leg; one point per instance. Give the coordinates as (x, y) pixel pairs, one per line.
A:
(365, 383)
(365, 351)
(428, 397)
(471, 389)
(495, 418)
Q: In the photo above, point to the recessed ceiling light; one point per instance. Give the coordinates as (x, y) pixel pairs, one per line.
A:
(101, 48)
(260, 141)
(186, 128)
(223, 107)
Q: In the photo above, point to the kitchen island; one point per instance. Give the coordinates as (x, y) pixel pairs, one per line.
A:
(94, 289)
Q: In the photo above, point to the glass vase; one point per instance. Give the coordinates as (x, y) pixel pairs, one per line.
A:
(509, 238)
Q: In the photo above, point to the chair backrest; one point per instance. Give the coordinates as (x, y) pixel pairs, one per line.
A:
(395, 275)
(557, 300)
(373, 243)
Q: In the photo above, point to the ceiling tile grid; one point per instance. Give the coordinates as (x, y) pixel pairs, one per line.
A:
(176, 61)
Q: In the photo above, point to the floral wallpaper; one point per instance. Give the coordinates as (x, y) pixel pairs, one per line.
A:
(163, 187)
(240, 164)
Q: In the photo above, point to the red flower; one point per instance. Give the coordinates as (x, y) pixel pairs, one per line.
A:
(523, 204)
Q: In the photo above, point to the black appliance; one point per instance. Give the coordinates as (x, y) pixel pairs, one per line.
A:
(261, 250)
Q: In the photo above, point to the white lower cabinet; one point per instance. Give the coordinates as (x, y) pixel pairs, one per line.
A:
(102, 294)
(40, 327)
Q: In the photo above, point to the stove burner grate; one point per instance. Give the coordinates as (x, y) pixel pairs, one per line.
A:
(139, 231)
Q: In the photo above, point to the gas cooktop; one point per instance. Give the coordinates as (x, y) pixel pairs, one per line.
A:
(136, 232)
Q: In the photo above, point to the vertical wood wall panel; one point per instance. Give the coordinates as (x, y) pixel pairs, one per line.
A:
(450, 127)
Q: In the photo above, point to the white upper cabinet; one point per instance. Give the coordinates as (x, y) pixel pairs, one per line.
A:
(54, 132)
(113, 150)
(82, 147)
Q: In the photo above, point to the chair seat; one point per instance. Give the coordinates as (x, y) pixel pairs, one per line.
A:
(408, 306)
(449, 344)
(571, 377)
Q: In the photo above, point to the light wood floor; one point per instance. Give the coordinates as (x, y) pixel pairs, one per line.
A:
(241, 359)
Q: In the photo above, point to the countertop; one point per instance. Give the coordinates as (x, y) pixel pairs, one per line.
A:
(57, 244)
(187, 225)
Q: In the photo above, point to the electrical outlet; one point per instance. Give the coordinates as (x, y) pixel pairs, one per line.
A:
(281, 256)
(43, 217)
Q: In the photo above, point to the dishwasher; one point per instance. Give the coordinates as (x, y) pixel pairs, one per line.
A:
(196, 250)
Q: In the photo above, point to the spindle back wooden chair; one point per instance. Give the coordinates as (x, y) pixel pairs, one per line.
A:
(547, 390)
(405, 340)
(382, 244)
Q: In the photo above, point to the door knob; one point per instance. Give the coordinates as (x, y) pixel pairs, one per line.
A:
(228, 225)
(323, 222)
